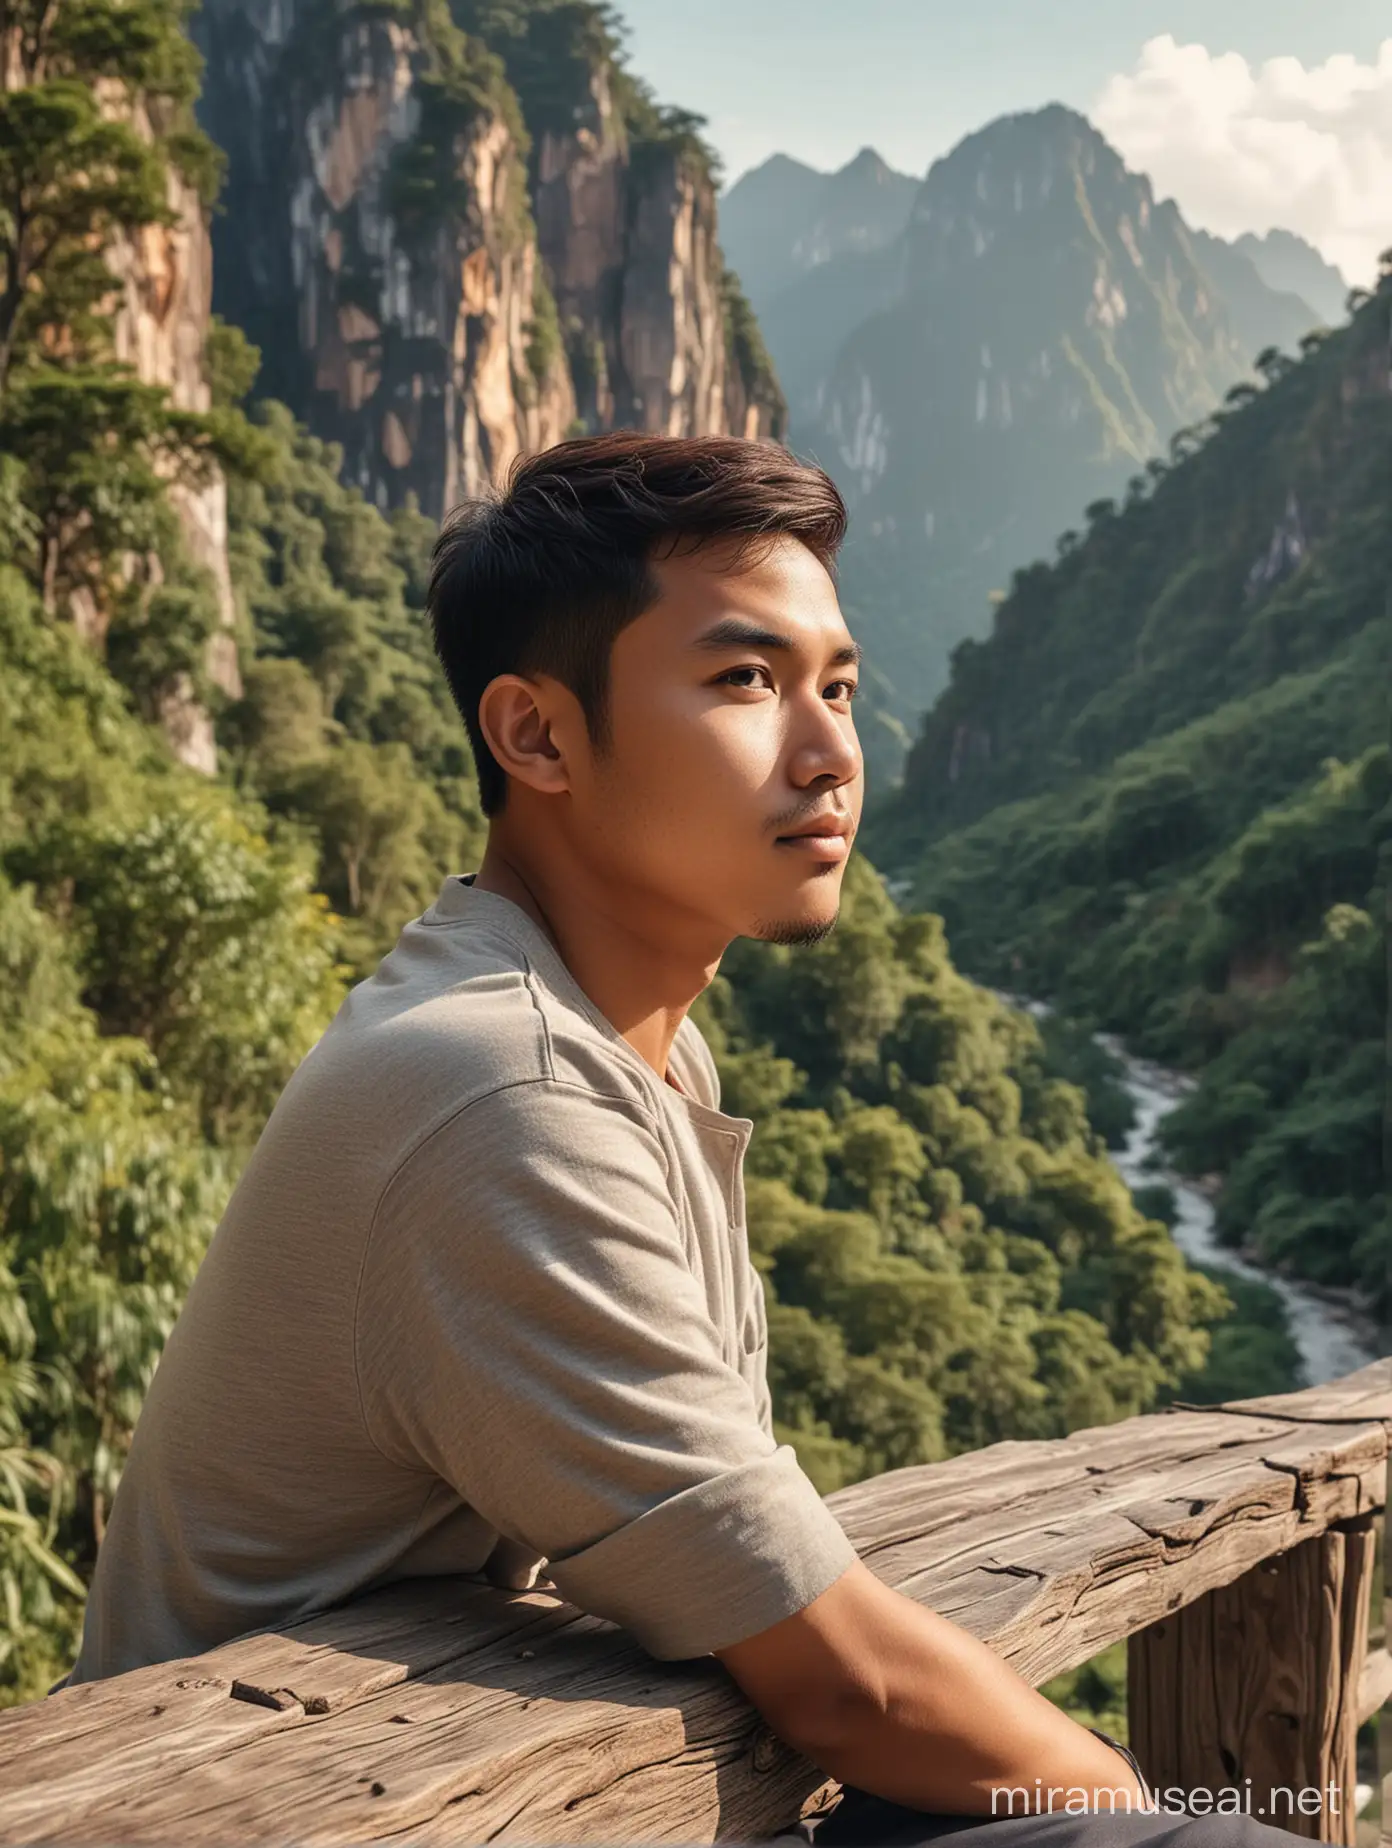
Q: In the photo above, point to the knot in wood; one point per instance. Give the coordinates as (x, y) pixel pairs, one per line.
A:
(767, 1748)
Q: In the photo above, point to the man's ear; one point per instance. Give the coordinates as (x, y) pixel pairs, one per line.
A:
(527, 725)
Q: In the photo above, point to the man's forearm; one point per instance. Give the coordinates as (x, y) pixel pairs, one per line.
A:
(943, 1723)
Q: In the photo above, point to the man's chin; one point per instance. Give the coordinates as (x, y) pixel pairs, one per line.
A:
(796, 930)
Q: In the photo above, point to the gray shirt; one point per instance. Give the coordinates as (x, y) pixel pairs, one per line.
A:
(481, 1302)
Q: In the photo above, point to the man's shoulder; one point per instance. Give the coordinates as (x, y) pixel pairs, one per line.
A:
(453, 1016)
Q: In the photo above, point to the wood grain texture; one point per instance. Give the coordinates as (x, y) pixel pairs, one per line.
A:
(1253, 1689)
(451, 1712)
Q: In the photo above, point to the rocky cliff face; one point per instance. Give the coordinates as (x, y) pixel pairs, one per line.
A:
(376, 247)
(657, 334)
(427, 297)
(631, 255)
(164, 301)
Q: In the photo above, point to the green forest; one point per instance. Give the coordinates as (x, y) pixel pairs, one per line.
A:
(1160, 795)
(949, 1256)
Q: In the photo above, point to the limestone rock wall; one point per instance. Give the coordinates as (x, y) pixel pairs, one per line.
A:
(580, 202)
(630, 239)
(411, 345)
(164, 300)
(419, 343)
(427, 349)
(671, 326)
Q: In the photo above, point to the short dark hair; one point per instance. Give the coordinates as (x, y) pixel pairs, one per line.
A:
(541, 576)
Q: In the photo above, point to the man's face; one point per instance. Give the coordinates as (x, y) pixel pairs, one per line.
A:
(718, 750)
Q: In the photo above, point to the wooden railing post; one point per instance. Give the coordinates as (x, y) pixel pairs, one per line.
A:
(1253, 1689)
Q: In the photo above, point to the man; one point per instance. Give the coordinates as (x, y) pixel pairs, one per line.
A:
(482, 1300)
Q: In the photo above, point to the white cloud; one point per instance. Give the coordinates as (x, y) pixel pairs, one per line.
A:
(1245, 148)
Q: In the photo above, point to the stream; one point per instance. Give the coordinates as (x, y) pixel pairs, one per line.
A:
(1333, 1334)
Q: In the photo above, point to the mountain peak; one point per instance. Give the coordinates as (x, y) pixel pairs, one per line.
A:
(1288, 262)
(779, 167)
(783, 219)
(1043, 178)
(1054, 131)
(868, 163)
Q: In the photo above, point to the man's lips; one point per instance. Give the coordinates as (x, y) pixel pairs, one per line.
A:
(825, 827)
(817, 846)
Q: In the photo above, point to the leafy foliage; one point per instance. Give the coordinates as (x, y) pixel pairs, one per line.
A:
(551, 50)
(948, 1255)
(1259, 551)
(1161, 794)
(346, 727)
(461, 86)
(80, 156)
(163, 967)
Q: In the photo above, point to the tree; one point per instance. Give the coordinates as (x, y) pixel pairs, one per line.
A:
(97, 448)
(932, 1212)
(385, 833)
(163, 965)
(79, 158)
(1273, 364)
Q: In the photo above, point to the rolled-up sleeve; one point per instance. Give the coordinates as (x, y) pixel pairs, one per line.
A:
(529, 1329)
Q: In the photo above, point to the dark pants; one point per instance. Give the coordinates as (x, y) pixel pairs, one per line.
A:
(862, 1821)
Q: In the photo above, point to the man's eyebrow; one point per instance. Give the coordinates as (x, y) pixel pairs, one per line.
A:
(730, 632)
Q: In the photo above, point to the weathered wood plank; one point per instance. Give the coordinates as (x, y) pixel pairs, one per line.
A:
(1353, 1399)
(202, 1707)
(1050, 1563)
(454, 1712)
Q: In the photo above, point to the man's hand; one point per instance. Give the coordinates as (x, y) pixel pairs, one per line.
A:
(896, 1700)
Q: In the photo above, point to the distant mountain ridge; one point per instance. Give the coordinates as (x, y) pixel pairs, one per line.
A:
(1036, 331)
(1286, 262)
(783, 219)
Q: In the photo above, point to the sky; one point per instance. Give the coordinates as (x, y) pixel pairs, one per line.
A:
(1251, 113)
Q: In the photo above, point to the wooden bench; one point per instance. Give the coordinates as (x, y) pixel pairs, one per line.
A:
(1233, 1545)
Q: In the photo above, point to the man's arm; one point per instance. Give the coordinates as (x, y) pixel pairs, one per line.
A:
(530, 1330)
(894, 1699)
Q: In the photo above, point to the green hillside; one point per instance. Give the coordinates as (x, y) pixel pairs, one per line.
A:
(1159, 794)
(950, 1256)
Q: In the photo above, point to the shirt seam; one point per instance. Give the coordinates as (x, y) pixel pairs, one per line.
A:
(520, 934)
(626, 1103)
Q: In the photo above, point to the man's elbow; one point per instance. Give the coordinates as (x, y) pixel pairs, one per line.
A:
(825, 1722)
(811, 1677)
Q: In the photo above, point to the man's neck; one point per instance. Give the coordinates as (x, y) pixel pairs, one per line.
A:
(641, 987)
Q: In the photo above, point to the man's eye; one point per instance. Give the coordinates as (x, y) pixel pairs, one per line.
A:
(851, 686)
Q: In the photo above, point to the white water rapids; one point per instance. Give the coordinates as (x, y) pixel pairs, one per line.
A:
(1334, 1337)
